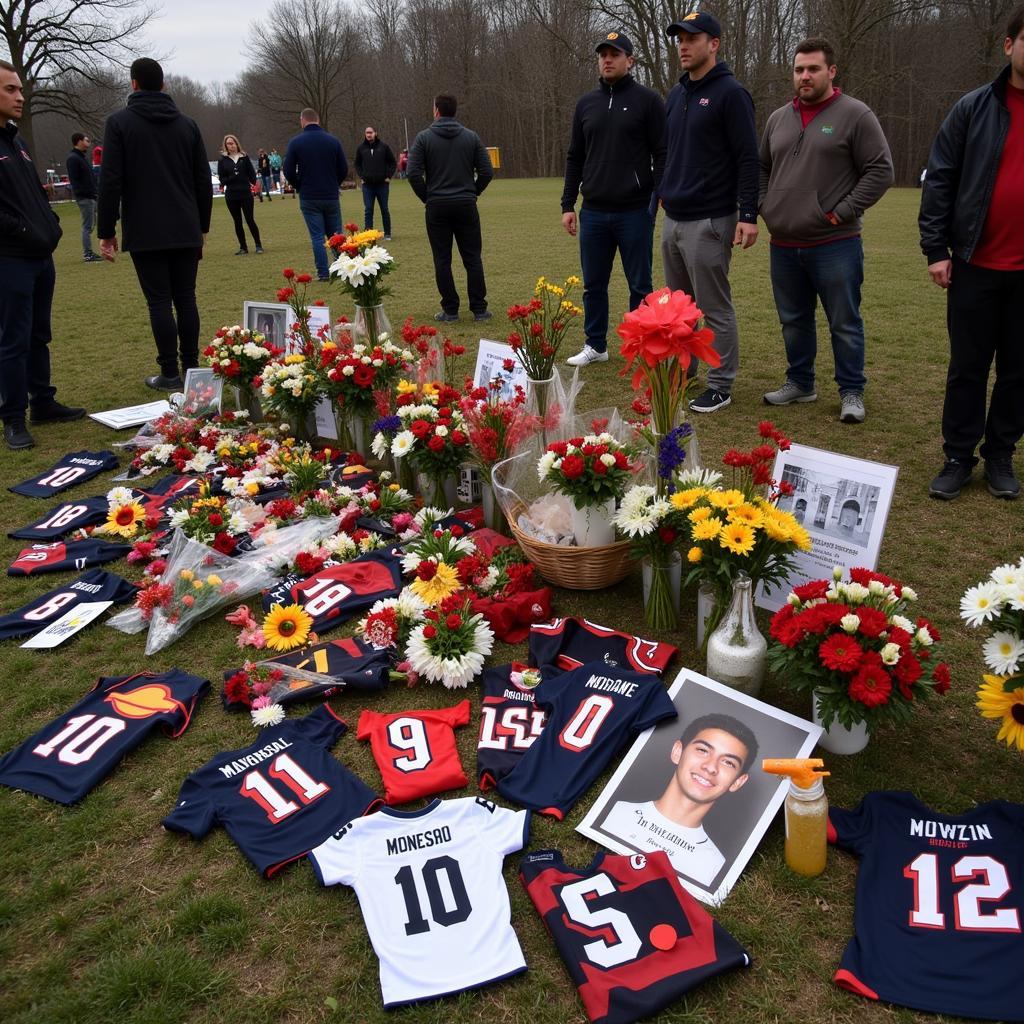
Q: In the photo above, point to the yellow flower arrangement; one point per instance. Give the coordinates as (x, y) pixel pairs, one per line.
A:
(444, 583)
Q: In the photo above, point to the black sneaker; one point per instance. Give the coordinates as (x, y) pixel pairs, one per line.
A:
(1001, 480)
(162, 383)
(484, 315)
(242, 252)
(92, 257)
(259, 250)
(955, 475)
(448, 318)
(17, 437)
(56, 412)
(711, 400)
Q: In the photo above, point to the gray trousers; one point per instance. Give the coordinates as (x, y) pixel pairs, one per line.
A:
(88, 208)
(696, 255)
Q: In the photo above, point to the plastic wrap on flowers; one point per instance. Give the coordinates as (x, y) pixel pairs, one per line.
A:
(277, 548)
(526, 501)
(553, 402)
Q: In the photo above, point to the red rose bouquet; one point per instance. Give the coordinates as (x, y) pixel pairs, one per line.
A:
(437, 445)
(590, 470)
(238, 355)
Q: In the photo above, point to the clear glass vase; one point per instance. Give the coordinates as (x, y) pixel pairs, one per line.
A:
(248, 400)
(737, 652)
(369, 324)
(661, 580)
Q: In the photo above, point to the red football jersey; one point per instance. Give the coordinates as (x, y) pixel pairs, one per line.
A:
(571, 642)
(415, 750)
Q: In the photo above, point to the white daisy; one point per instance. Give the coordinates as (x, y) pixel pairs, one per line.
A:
(120, 496)
(1008, 575)
(1002, 652)
(404, 440)
(980, 603)
(380, 445)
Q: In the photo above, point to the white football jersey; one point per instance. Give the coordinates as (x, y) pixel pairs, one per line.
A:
(430, 888)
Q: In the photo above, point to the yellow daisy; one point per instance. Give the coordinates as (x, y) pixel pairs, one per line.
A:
(737, 538)
(124, 520)
(687, 498)
(694, 555)
(776, 530)
(746, 513)
(706, 530)
(698, 515)
(444, 583)
(726, 499)
(406, 387)
(994, 702)
(801, 538)
(286, 627)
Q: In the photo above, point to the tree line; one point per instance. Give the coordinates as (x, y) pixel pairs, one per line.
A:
(516, 66)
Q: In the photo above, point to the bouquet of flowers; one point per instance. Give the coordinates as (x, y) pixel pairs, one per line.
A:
(423, 341)
(590, 470)
(854, 645)
(435, 558)
(998, 604)
(239, 355)
(437, 445)
(291, 386)
(209, 520)
(390, 622)
(294, 293)
(450, 645)
(540, 326)
(361, 267)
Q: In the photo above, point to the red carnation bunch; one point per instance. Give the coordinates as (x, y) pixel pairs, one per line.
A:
(589, 469)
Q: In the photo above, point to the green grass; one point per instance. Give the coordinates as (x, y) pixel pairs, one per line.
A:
(103, 917)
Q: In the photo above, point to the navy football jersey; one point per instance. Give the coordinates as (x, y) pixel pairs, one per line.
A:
(339, 590)
(159, 495)
(510, 722)
(593, 711)
(61, 556)
(279, 797)
(73, 469)
(632, 938)
(570, 642)
(64, 760)
(94, 585)
(939, 907)
(62, 519)
(349, 662)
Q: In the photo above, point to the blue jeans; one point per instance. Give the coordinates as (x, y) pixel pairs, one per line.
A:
(26, 294)
(88, 208)
(380, 194)
(833, 273)
(601, 233)
(323, 219)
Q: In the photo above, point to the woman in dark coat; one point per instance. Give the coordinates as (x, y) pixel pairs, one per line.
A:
(237, 177)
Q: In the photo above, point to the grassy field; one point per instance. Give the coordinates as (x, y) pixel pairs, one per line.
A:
(105, 917)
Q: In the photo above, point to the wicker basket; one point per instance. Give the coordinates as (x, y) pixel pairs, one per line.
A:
(574, 568)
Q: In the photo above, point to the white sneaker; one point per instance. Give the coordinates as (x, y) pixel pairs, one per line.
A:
(587, 356)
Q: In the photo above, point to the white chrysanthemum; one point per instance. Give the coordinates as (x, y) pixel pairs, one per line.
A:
(639, 521)
(890, 654)
(698, 477)
(341, 546)
(162, 452)
(380, 445)
(179, 517)
(490, 580)
(980, 603)
(1008, 575)
(237, 523)
(545, 464)
(403, 442)
(876, 588)
(428, 516)
(852, 593)
(454, 671)
(637, 496)
(272, 714)
(902, 622)
(409, 605)
(120, 496)
(1002, 652)
(200, 462)
(850, 623)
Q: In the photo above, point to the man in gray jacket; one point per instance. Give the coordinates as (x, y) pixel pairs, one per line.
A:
(457, 169)
(824, 161)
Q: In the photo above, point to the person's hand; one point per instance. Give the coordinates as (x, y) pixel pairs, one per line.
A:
(108, 248)
(569, 222)
(204, 242)
(746, 235)
(941, 272)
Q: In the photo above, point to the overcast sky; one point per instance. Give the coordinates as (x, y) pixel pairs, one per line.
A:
(206, 36)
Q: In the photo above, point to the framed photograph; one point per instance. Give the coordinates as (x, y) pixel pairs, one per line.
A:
(204, 392)
(271, 319)
(132, 415)
(693, 786)
(842, 502)
(489, 358)
(319, 316)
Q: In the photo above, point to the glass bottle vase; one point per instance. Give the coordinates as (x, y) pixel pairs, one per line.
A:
(369, 324)
(737, 652)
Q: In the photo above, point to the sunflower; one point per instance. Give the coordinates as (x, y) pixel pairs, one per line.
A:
(746, 513)
(442, 584)
(706, 530)
(737, 538)
(995, 702)
(286, 627)
(124, 520)
(687, 498)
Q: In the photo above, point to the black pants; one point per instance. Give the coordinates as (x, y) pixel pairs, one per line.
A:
(984, 314)
(26, 294)
(458, 220)
(168, 277)
(236, 207)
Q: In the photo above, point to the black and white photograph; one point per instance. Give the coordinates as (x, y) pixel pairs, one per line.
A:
(271, 319)
(693, 786)
(489, 364)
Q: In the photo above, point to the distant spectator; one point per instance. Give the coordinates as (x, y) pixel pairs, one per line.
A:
(237, 177)
(403, 162)
(97, 163)
(83, 191)
(275, 167)
(375, 164)
(263, 170)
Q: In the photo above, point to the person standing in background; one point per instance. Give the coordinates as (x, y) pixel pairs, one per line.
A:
(237, 177)
(97, 163)
(29, 233)
(375, 164)
(315, 166)
(156, 179)
(83, 191)
(275, 168)
(263, 170)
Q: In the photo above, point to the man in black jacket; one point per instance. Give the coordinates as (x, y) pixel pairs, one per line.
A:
(457, 170)
(375, 164)
(83, 190)
(616, 158)
(29, 232)
(971, 204)
(709, 191)
(156, 178)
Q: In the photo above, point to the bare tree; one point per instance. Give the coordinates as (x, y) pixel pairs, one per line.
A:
(59, 46)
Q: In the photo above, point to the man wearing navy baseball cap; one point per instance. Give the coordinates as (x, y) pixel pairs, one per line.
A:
(616, 157)
(709, 190)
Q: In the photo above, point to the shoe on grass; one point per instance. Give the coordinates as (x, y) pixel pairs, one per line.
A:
(711, 400)
(92, 257)
(851, 408)
(790, 393)
(483, 315)
(242, 252)
(17, 437)
(587, 356)
(446, 318)
(56, 412)
(954, 476)
(1002, 483)
(259, 250)
(162, 383)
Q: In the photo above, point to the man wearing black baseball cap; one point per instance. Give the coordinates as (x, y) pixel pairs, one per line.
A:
(616, 157)
(709, 191)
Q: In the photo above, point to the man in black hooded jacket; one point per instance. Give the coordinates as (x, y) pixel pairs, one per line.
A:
(156, 178)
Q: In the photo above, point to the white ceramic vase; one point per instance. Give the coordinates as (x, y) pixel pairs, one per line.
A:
(837, 739)
(592, 525)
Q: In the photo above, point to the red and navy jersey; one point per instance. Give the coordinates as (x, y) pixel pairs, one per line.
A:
(339, 590)
(633, 939)
(415, 750)
(62, 519)
(61, 556)
(510, 722)
(569, 643)
(74, 468)
(280, 796)
(592, 712)
(94, 585)
(939, 905)
(64, 760)
(350, 662)
(160, 495)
